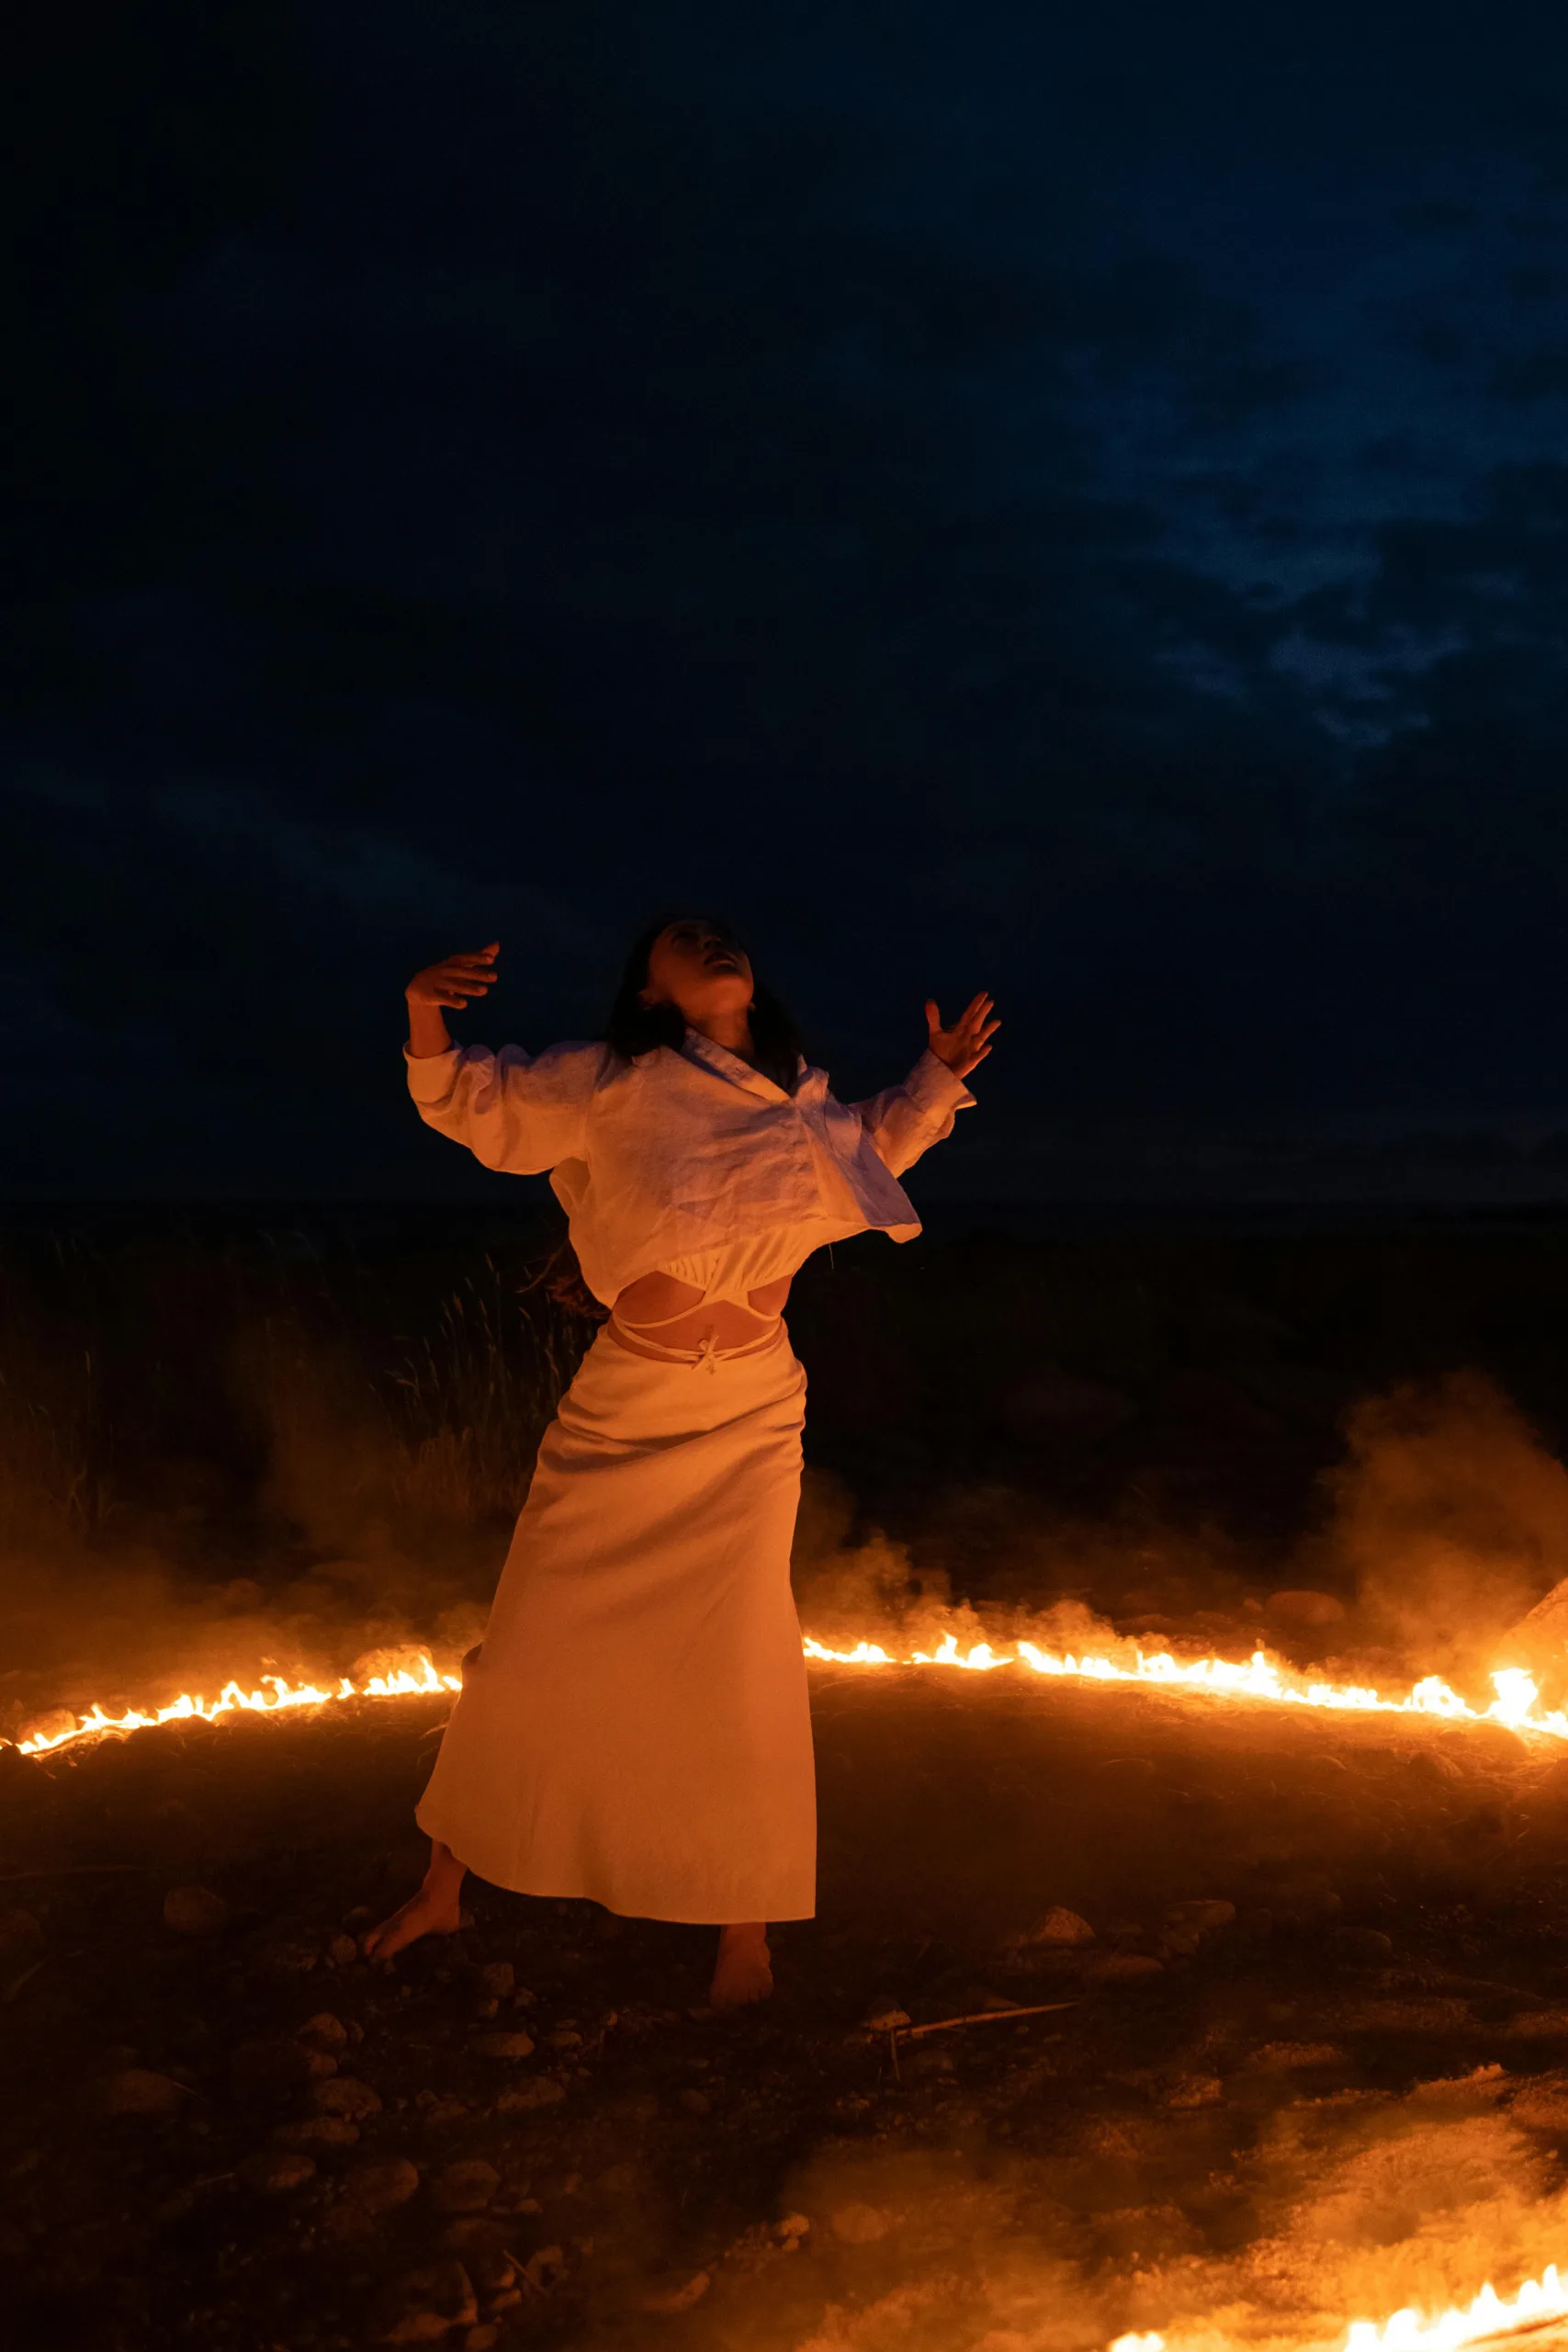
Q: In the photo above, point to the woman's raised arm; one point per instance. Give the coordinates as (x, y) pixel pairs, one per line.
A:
(904, 1120)
(450, 985)
(512, 1110)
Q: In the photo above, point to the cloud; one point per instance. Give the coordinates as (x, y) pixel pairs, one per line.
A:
(966, 505)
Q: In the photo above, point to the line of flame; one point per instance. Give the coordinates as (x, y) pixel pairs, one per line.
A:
(1515, 1706)
(1538, 2299)
(1215, 1677)
(274, 1696)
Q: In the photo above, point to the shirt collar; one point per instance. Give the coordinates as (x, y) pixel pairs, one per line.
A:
(728, 1066)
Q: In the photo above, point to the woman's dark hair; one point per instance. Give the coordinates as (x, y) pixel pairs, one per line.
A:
(635, 1028)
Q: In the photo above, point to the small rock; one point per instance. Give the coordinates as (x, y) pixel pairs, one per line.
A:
(479, 2243)
(271, 2071)
(481, 2338)
(323, 2031)
(498, 1979)
(272, 2172)
(289, 1957)
(887, 2021)
(1203, 1916)
(541, 2092)
(677, 2299)
(1364, 1946)
(524, 1999)
(1432, 1764)
(1537, 2025)
(135, 2090)
(503, 2045)
(195, 1911)
(1295, 2057)
(486, 2008)
(379, 2188)
(1125, 1968)
(794, 2225)
(545, 2269)
(694, 2102)
(1307, 1900)
(1060, 1928)
(1308, 1610)
(564, 2041)
(1178, 1943)
(463, 2188)
(1195, 2090)
(317, 2131)
(343, 1951)
(860, 2224)
(344, 2095)
(424, 2306)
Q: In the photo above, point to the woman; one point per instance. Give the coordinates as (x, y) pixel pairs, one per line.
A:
(635, 1726)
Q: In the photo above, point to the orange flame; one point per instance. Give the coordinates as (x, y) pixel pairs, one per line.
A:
(1538, 2301)
(401, 1683)
(1215, 1677)
(1258, 1678)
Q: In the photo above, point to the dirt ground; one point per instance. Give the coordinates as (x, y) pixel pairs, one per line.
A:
(1315, 2063)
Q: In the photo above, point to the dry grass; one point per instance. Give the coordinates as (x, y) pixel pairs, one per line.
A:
(251, 1396)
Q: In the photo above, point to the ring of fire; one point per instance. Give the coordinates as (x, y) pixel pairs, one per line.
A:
(1488, 2317)
(1516, 1707)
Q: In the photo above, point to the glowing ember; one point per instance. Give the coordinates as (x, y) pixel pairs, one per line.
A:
(1538, 2301)
(1258, 1678)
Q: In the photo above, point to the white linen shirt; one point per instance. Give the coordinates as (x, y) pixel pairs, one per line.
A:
(686, 1151)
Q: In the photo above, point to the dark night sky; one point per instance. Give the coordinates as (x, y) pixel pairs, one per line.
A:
(1075, 500)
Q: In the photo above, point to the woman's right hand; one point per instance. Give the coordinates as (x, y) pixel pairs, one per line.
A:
(455, 981)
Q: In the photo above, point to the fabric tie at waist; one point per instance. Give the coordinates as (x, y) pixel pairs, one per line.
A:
(707, 1352)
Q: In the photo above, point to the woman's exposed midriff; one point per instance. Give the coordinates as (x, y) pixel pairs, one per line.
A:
(726, 1323)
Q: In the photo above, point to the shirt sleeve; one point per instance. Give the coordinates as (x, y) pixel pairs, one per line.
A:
(904, 1120)
(515, 1112)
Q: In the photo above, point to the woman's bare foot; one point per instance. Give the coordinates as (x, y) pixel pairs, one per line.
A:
(742, 1972)
(434, 1911)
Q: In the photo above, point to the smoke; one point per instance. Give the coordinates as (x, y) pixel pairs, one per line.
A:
(330, 1539)
(1450, 1522)
(846, 1588)
(1354, 2207)
(1446, 1524)
(849, 1590)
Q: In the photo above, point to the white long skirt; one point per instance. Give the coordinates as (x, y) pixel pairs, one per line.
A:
(635, 1726)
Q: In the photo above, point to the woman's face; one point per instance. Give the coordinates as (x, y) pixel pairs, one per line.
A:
(700, 967)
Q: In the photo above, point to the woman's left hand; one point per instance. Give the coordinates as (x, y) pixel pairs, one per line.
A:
(967, 1042)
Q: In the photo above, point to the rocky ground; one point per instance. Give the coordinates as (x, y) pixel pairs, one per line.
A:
(1314, 2061)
